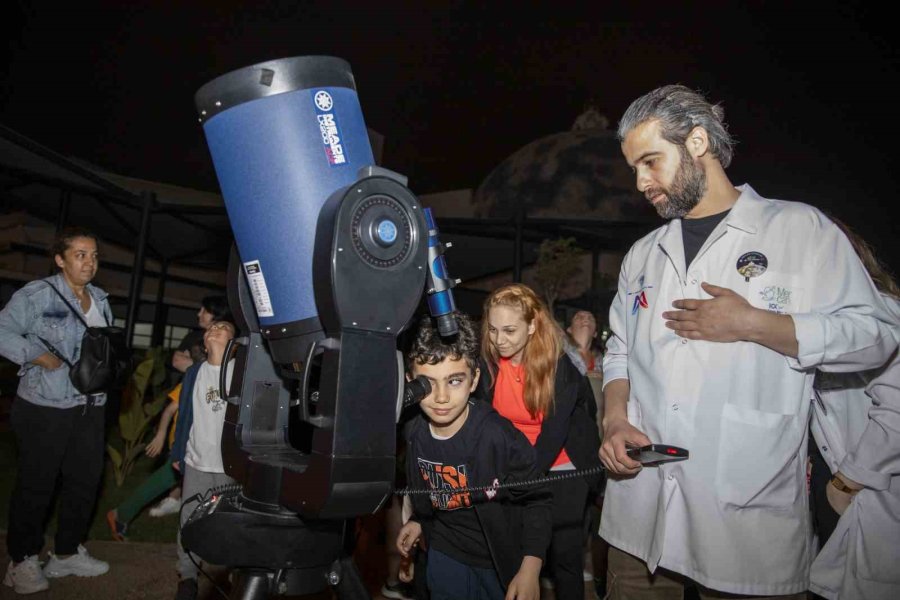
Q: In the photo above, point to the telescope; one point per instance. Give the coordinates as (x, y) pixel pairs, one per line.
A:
(333, 256)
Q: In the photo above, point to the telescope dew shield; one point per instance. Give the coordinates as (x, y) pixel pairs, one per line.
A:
(284, 135)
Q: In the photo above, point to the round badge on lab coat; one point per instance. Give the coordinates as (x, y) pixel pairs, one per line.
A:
(752, 264)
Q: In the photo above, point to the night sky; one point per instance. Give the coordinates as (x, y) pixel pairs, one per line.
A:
(808, 91)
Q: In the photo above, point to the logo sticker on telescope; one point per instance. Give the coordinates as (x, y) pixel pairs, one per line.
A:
(328, 126)
(258, 289)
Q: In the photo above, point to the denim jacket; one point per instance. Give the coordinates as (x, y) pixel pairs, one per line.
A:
(37, 311)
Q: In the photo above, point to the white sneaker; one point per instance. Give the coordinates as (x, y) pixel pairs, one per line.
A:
(26, 577)
(167, 506)
(81, 564)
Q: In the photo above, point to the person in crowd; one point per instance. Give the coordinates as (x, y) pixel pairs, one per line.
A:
(59, 431)
(721, 317)
(482, 545)
(855, 480)
(529, 380)
(189, 351)
(393, 588)
(197, 451)
(582, 334)
(160, 481)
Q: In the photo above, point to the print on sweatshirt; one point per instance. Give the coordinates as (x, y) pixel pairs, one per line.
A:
(444, 479)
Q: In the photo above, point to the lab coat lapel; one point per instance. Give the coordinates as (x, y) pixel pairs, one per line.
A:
(672, 245)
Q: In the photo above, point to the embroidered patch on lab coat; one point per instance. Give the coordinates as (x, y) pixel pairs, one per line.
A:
(640, 296)
(776, 298)
(752, 264)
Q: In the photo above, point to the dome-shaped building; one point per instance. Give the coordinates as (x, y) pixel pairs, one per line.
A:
(570, 184)
(574, 174)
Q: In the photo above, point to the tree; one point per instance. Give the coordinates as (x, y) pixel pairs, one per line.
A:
(558, 262)
(136, 413)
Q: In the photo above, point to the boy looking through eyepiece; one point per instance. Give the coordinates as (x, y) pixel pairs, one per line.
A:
(483, 545)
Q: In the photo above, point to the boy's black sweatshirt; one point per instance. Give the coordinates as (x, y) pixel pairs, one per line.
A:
(517, 521)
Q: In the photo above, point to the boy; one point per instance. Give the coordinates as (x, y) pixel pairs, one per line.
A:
(479, 543)
(197, 451)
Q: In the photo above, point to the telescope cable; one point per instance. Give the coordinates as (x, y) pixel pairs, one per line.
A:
(203, 499)
(558, 476)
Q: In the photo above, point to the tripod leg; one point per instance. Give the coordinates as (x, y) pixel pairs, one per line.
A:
(351, 586)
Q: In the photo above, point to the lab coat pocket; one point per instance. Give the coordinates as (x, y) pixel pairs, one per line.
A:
(877, 534)
(757, 459)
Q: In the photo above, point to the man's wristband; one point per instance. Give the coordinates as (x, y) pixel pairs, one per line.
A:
(840, 485)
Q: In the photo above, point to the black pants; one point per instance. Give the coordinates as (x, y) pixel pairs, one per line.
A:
(65, 444)
(567, 544)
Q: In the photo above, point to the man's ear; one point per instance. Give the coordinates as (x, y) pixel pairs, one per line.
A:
(697, 142)
(409, 376)
(475, 377)
(59, 261)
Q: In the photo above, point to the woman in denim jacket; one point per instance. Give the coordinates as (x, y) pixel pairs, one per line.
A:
(59, 431)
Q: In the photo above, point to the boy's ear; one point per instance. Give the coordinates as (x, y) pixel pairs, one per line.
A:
(475, 376)
(409, 376)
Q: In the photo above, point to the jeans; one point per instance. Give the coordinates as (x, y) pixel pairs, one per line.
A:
(449, 579)
(194, 482)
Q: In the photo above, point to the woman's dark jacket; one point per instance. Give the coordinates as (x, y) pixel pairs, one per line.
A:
(571, 424)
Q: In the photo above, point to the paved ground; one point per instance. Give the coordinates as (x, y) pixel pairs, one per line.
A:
(144, 571)
(138, 571)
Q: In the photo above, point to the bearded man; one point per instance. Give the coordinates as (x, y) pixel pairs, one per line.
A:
(721, 318)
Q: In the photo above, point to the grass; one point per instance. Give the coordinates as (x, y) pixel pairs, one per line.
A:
(143, 528)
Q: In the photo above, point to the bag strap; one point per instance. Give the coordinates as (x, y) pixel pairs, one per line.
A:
(54, 351)
(77, 313)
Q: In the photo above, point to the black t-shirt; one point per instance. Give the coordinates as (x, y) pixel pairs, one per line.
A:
(695, 231)
(193, 343)
(457, 530)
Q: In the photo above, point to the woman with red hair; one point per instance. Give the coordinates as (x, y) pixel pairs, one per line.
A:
(529, 380)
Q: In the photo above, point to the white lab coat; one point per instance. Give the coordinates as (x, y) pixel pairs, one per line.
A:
(856, 424)
(734, 517)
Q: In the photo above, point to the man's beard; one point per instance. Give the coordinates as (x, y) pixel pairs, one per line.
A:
(688, 188)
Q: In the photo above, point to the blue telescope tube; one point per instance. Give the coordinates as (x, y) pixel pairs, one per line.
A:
(284, 135)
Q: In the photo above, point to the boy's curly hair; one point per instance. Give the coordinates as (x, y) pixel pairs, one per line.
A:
(428, 347)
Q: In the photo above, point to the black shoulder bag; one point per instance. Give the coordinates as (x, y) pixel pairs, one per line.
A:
(104, 359)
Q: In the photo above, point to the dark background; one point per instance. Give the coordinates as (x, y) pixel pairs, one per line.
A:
(808, 90)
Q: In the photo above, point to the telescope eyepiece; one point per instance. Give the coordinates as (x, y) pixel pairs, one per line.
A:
(416, 390)
(447, 326)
